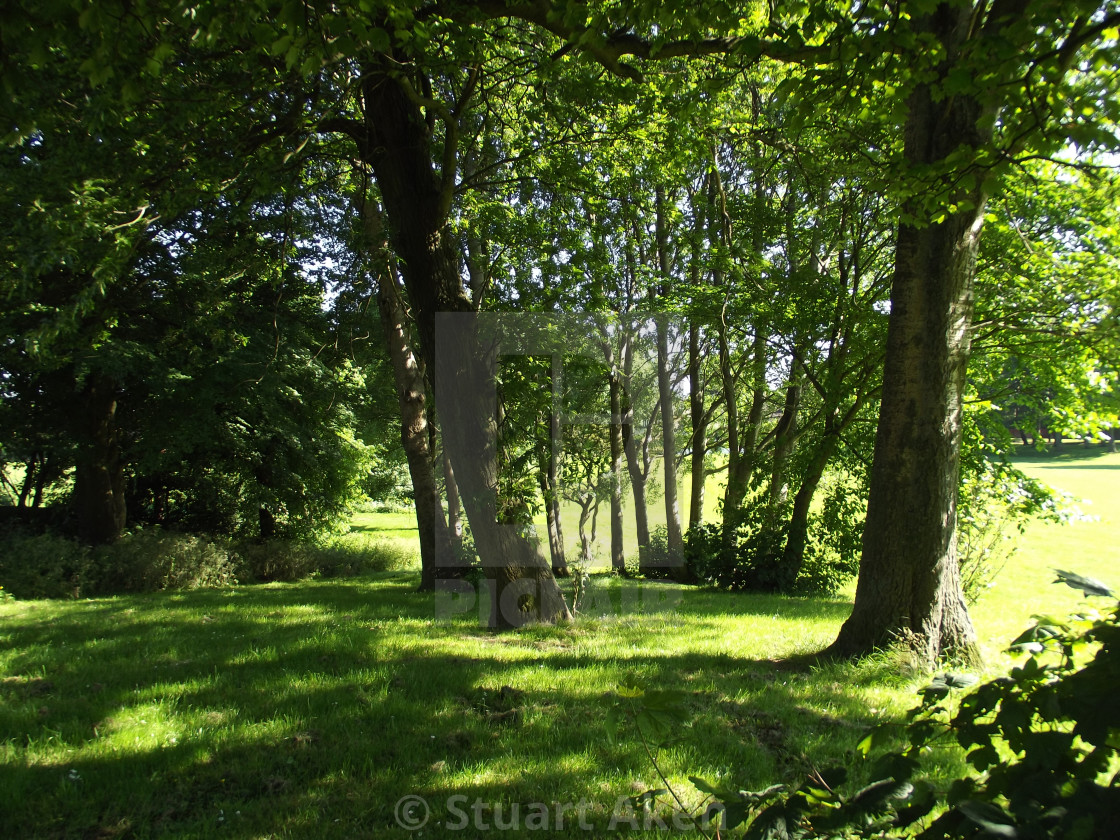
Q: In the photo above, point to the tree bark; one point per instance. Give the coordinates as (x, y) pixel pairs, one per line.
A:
(785, 436)
(618, 558)
(909, 581)
(548, 471)
(742, 443)
(454, 508)
(99, 477)
(675, 539)
(411, 400)
(396, 142)
(700, 419)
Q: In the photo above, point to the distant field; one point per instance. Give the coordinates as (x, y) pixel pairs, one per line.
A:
(1091, 475)
(1090, 547)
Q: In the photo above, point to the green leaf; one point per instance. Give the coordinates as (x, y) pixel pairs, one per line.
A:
(990, 818)
(1088, 586)
(875, 737)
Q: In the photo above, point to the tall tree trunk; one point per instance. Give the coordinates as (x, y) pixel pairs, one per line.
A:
(618, 558)
(700, 418)
(28, 480)
(99, 477)
(742, 439)
(548, 472)
(909, 580)
(637, 466)
(785, 436)
(675, 539)
(797, 535)
(411, 400)
(637, 459)
(454, 508)
(395, 141)
(552, 524)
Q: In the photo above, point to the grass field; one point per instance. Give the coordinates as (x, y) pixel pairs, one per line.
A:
(311, 709)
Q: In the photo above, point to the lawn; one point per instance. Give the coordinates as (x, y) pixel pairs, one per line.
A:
(311, 709)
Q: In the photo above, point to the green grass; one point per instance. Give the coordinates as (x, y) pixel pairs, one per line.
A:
(310, 709)
(1089, 547)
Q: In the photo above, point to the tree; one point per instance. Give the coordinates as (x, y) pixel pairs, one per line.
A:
(978, 75)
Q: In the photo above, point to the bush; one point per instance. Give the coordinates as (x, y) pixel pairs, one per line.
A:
(151, 559)
(758, 562)
(45, 566)
(284, 560)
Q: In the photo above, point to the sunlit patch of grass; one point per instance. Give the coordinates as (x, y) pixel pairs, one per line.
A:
(308, 710)
(251, 710)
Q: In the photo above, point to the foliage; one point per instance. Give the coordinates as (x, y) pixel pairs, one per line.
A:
(45, 566)
(759, 562)
(154, 559)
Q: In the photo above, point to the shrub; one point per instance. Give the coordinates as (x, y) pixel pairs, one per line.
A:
(286, 560)
(152, 559)
(45, 566)
(758, 561)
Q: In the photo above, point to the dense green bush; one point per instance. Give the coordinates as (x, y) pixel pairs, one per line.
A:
(45, 566)
(758, 562)
(150, 559)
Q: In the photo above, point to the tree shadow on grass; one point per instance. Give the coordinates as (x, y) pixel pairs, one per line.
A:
(310, 710)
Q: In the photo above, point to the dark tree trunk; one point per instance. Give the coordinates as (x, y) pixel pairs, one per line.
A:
(454, 508)
(785, 436)
(266, 522)
(798, 532)
(700, 418)
(28, 480)
(397, 144)
(411, 401)
(548, 472)
(99, 478)
(742, 442)
(552, 523)
(675, 539)
(618, 558)
(909, 581)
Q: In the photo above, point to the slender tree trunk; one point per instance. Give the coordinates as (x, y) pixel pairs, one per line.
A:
(48, 472)
(411, 400)
(675, 538)
(909, 581)
(798, 531)
(585, 537)
(742, 442)
(28, 480)
(395, 141)
(552, 523)
(99, 477)
(548, 471)
(637, 460)
(699, 417)
(785, 436)
(618, 558)
(454, 508)
(638, 470)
